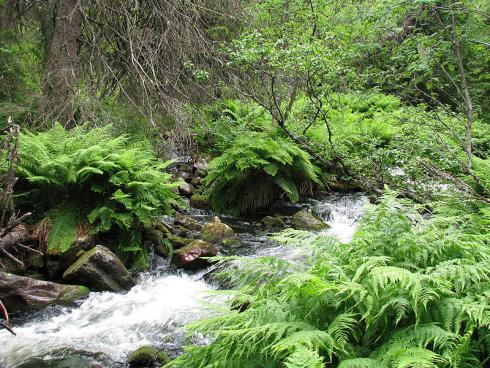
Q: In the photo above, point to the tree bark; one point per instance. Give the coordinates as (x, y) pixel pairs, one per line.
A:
(61, 68)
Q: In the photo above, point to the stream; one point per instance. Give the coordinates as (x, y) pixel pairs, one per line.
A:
(105, 327)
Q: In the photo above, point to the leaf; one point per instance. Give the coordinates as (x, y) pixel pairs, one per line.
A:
(64, 221)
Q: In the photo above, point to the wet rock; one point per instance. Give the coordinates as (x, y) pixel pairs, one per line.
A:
(190, 256)
(99, 269)
(215, 230)
(186, 189)
(199, 201)
(21, 294)
(178, 242)
(144, 356)
(182, 175)
(201, 164)
(188, 222)
(272, 222)
(196, 181)
(165, 228)
(304, 220)
(153, 235)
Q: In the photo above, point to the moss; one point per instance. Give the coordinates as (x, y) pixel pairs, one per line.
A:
(200, 201)
(230, 242)
(303, 220)
(73, 293)
(162, 357)
(143, 356)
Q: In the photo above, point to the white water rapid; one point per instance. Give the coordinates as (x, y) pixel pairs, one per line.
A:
(154, 312)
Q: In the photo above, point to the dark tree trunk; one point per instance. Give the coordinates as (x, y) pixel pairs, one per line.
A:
(60, 77)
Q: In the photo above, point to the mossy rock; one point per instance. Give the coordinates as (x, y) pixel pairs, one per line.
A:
(215, 231)
(99, 269)
(187, 222)
(178, 241)
(162, 357)
(144, 356)
(191, 256)
(272, 222)
(200, 201)
(304, 220)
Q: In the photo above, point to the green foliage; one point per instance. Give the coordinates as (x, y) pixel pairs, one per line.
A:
(257, 169)
(226, 120)
(64, 220)
(87, 175)
(406, 292)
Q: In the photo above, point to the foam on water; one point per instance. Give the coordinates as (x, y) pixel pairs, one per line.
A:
(111, 323)
(342, 212)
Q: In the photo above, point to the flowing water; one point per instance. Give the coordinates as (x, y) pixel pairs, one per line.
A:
(105, 327)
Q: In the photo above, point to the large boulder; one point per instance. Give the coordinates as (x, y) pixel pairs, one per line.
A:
(215, 230)
(190, 256)
(99, 269)
(304, 220)
(22, 294)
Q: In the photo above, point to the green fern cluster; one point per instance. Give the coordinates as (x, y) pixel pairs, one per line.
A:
(256, 170)
(406, 293)
(88, 176)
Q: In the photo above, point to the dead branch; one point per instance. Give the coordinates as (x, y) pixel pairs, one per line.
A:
(6, 324)
(12, 231)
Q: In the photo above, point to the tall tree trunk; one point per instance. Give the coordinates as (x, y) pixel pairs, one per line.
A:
(60, 77)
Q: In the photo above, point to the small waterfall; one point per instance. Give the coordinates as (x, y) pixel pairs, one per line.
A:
(341, 212)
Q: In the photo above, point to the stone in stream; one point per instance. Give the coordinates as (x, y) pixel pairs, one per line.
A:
(147, 356)
(190, 256)
(196, 181)
(187, 222)
(199, 201)
(22, 294)
(215, 230)
(99, 269)
(186, 189)
(272, 222)
(304, 220)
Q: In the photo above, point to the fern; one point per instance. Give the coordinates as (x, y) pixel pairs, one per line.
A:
(255, 170)
(304, 358)
(382, 301)
(115, 185)
(64, 220)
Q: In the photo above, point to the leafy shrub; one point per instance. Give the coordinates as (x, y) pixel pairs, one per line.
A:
(257, 169)
(87, 176)
(406, 292)
(226, 120)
